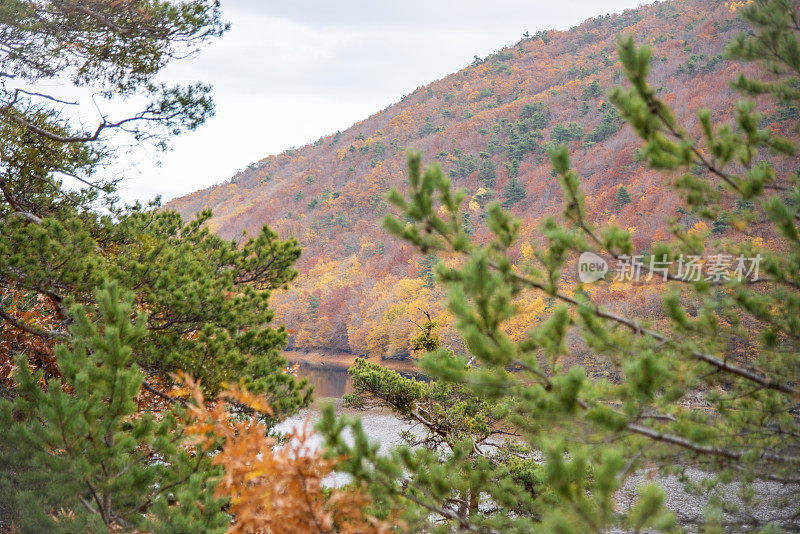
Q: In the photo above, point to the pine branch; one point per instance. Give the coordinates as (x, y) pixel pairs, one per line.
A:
(16, 323)
(635, 327)
(163, 395)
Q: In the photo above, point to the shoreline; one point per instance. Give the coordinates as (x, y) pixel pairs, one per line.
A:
(342, 361)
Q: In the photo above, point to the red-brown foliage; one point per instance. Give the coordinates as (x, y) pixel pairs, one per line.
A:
(328, 194)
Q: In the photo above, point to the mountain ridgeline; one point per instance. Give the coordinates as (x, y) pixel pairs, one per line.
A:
(489, 127)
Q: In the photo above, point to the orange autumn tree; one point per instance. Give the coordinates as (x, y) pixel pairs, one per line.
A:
(272, 486)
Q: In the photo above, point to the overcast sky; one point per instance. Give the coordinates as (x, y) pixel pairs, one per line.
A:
(289, 72)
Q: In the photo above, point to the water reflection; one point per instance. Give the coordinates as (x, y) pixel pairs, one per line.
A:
(332, 381)
(329, 383)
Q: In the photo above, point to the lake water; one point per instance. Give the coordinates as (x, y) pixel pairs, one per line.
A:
(329, 385)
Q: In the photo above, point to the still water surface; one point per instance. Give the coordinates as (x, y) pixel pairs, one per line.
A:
(329, 385)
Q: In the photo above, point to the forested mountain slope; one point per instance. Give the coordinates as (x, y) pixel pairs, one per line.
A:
(488, 126)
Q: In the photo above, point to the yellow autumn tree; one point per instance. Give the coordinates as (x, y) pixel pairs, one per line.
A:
(386, 320)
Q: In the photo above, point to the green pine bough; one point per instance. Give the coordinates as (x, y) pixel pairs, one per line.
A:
(62, 231)
(732, 343)
(79, 457)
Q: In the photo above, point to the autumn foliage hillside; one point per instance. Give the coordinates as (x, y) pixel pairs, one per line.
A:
(488, 126)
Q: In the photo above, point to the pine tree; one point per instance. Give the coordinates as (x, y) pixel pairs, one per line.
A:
(458, 428)
(592, 90)
(313, 305)
(623, 198)
(206, 298)
(720, 224)
(427, 263)
(564, 133)
(513, 192)
(202, 302)
(536, 115)
(609, 125)
(595, 433)
(487, 174)
(77, 456)
(494, 146)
